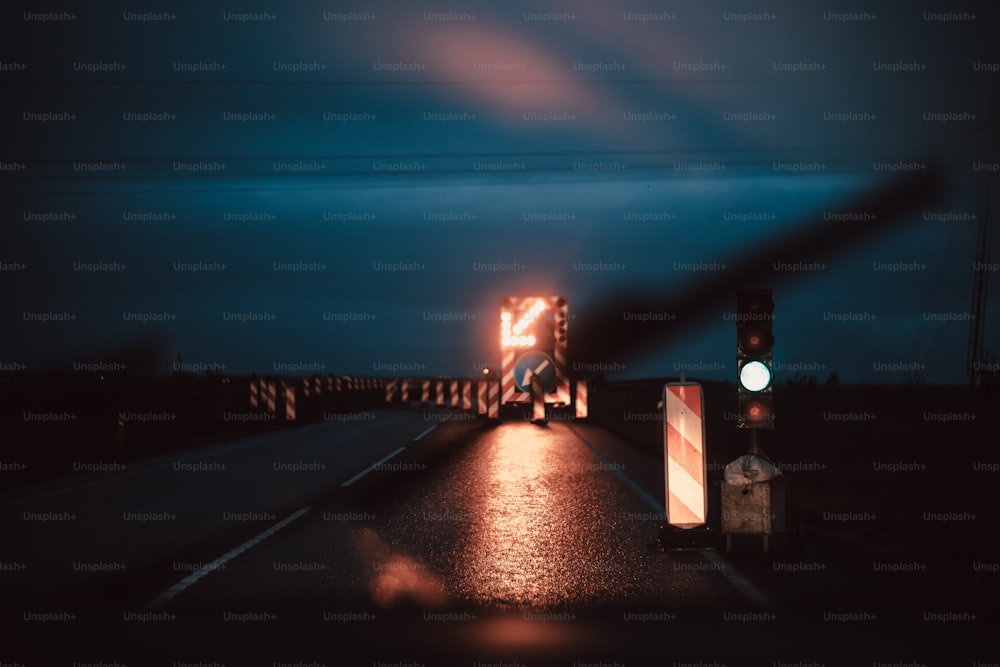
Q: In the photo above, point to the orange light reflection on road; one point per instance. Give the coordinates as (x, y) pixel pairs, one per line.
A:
(518, 552)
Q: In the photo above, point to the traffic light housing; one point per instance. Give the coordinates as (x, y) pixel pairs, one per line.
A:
(754, 360)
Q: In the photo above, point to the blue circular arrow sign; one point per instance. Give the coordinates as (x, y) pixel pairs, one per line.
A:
(541, 365)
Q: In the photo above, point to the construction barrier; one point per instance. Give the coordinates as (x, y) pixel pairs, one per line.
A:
(684, 455)
(581, 399)
(289, 391)
(481, 396)
(494, 400)
(466, 394)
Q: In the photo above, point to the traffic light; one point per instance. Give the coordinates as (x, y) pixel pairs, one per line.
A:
(533, 338)
(754, 363)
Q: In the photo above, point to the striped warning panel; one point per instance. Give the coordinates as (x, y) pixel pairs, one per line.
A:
(439, 393)
(466, 394)
(509, 386)
(272, 396)
(404, 390)
(253, 394)
(684, 455)
(481, 397)
(562, 377)
(425, 391)
(390, 390)
(453, 391)
(494, 401)
(581, 399)
(289, 401)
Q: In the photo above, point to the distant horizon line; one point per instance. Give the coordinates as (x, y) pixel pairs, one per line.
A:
(8, 375)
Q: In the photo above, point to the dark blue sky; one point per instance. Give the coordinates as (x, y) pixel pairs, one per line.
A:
(583, 150)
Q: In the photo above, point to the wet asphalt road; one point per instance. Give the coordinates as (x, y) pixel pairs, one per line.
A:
(83, 535)
(519, 543)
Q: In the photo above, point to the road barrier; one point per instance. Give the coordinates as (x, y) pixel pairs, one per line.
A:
(481, 397)
(289, 392)
(304, 399)
(494, 400)
(272, 398)
(684, 455)
(582, 411)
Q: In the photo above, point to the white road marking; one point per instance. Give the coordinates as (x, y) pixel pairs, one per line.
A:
(742, 584)
(641, 492)
(725, 568)
(217, 564)
(372, 467)
(429, 429)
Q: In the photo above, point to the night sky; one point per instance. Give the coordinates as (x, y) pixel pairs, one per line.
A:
(350, 187)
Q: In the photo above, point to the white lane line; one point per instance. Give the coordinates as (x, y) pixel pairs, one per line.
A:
(741, 583)
(372, 467)
(641, 492)
(425, 432)
(383, 460)
(217, 564)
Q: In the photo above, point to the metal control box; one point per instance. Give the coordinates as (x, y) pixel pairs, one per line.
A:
(757, 508)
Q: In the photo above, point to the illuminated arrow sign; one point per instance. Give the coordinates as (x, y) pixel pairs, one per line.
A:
(533, 337)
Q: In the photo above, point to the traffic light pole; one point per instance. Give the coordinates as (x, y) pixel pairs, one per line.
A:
(755, 446)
